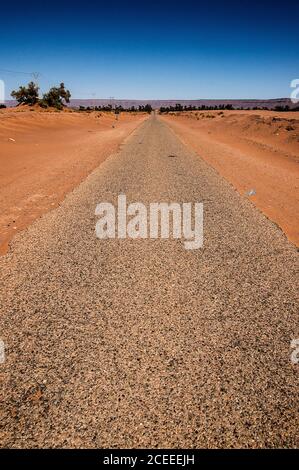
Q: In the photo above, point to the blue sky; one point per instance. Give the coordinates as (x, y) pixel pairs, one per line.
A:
(153, 50)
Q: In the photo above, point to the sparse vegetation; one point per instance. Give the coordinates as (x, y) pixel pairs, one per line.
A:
(282, 108)
(56, 97)
(118, 109)
(179, 108)
(26, 95)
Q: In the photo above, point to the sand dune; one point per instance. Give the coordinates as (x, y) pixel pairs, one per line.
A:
(44, 155)
(254, 150)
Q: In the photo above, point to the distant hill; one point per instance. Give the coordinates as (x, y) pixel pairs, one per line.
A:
(270, 104)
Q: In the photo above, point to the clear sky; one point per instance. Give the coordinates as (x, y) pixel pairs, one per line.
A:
(153, 49)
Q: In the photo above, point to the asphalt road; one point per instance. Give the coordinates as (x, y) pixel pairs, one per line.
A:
(141, 343)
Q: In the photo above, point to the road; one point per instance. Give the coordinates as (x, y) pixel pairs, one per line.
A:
(142, 343)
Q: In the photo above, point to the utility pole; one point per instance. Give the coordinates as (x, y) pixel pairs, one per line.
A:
(93, 99)
(111, 98)
(35, 76)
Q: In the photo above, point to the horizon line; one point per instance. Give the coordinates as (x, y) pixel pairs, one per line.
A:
(176, 99)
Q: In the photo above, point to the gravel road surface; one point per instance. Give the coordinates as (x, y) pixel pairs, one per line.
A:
(142, 343)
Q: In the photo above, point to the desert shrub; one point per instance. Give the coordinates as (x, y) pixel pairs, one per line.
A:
(282, 108)
(26, 95)
(145, 109)
(2, 106)
(43, 104)
(56, 97)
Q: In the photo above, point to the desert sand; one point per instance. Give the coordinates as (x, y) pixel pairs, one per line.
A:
(256, 151)
(44, 155)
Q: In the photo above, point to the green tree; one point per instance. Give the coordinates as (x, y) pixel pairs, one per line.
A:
(56, 97)
(26, 95)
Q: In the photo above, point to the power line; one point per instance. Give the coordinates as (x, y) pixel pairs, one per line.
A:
(35, 75)
(14, 71)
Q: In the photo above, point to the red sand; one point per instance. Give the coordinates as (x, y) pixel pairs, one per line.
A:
(253, 150)
(45, 155)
